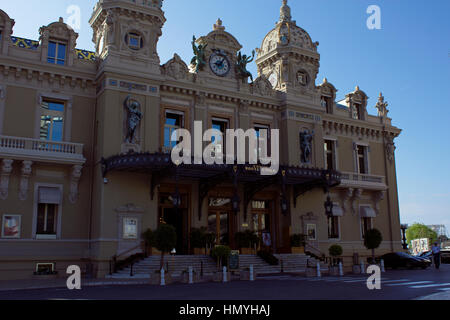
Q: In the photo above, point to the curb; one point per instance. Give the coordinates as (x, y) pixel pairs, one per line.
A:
(89, 284)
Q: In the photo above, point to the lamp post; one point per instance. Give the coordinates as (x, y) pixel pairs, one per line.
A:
(404, 227)
(328, 206)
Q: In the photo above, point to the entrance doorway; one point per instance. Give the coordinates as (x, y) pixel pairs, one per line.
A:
(261, 222)
(220, 220)
(176, 217)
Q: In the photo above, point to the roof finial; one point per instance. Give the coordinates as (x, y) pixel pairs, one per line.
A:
(285, 12)
(218, 25)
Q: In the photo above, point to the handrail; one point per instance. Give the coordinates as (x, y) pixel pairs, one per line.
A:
(139, 246)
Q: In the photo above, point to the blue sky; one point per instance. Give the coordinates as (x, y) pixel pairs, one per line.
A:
(408, 60)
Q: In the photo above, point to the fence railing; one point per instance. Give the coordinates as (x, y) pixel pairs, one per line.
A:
(35, 145)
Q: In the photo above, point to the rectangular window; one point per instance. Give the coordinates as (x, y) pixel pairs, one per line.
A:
(222, 125)
(52, 121)
(49, 200)
(361, 153)
(173, 120)
(330, 157)
(46, 220)
(356, 111)
(333, 227)
(326, 104)
(366, 225)
(258, 128)
(56, 53)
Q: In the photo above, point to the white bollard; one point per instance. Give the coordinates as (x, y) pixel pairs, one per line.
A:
(225, 274)
(163, 277)
(318, 270)
(341, 269)
(382, 266)
(191, 276)
(363, 269)
(252, 277)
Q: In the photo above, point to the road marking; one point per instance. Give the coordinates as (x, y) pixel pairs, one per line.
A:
(408, 283)
(431, 285)
(389, 281)
(354, 281)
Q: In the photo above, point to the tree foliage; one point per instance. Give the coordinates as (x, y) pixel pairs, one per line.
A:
(335, 250)
(373, 239)
(165, 238)
(420, 231)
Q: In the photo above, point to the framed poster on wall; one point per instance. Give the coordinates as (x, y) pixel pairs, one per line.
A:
(11, 226)
(311, 232)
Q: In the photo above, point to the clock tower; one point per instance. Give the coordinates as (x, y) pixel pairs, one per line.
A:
(288, 57)
(126, 34)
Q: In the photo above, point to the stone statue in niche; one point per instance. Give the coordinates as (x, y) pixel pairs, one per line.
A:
(134, 113)
(390, 148)
(306, 139)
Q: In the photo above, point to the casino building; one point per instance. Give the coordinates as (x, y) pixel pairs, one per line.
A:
(85, 146)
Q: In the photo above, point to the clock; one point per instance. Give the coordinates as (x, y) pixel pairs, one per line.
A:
(273, 79)
(219, 64)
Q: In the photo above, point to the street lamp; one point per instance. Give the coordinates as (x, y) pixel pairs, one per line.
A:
(284, 204)
(328, 207)
(404, 227)
(235, 203)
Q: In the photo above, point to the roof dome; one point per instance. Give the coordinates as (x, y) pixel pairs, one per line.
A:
(287, 34)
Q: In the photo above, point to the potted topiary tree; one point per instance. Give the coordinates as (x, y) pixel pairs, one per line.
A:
(372, 241)
(335, 252)
(149, 241)
(246, 242)
(198, 240)
(210, 241)
(165, 241)
(221, 254)
(298, 243)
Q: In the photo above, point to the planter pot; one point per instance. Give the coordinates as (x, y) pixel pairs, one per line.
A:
(334, 271)
(247, 251)
(155, 252)
(200, 252)
(155, 278)
(298, 250)
(218, 276)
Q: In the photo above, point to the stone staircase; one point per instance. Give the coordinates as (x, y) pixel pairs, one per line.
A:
(292, 263)
(177, 264)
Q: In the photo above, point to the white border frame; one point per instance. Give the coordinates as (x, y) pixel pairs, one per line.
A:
(3, 226)
(37, 185)
(315, 231)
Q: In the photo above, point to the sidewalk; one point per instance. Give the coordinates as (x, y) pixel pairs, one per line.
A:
(30, 284)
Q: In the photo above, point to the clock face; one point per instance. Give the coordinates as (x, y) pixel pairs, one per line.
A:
(219, 64)
(273, 79)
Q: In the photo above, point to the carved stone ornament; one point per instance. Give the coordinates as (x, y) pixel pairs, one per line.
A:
(262, 86)
(356, 196)
(134, 117)
(306, 139)
(346, 196)
(24, 179)
(4, 178)
(390, 148)
(377, 198)
(74, 179)
(175, 68)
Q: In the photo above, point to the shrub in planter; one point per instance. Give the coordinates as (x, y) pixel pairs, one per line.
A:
(246, 240)
(198, 240)
(149, 239)
(268, 257)
(335, 252)
(221, 254)
(298, 243)
(372, 241)
(165, 240)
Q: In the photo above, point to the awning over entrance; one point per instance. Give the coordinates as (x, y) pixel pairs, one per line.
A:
(367, 212)
(338, 211)
(160, 166)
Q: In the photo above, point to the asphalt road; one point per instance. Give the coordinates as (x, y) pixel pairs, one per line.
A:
(395, 285)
